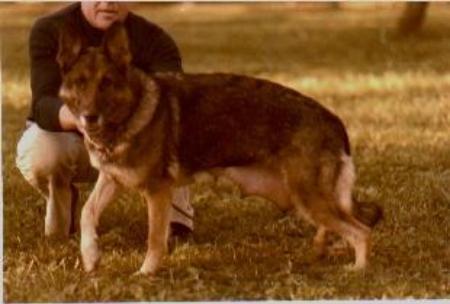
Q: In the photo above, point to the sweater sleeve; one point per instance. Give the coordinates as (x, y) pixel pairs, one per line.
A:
(156, 50)
(166, 56)
(45, 75)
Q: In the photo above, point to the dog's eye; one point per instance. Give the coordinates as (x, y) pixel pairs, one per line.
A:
(80, 82)
(106, 82)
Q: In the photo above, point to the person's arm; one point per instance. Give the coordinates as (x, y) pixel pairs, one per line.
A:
(165, 55)
(156, 50)
(47, 108)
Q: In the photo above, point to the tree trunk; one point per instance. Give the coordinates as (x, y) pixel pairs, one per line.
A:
(412, 18)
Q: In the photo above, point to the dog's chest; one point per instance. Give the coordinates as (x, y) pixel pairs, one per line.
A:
(125, 174)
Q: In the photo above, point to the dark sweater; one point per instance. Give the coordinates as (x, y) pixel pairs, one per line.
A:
(152, 51)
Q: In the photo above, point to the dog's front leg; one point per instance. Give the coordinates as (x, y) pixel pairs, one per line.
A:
(158, 204)
(104, 192)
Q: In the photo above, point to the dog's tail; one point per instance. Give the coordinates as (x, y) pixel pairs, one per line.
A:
(367, 213)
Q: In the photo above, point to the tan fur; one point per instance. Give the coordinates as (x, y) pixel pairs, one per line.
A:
(345, 183)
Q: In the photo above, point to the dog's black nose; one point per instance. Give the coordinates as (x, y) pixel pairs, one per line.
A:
(90, 119)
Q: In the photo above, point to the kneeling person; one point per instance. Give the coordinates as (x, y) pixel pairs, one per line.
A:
(51, 154)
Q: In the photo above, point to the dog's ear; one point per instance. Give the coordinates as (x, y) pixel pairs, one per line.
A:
(116, 45)
(69, 48)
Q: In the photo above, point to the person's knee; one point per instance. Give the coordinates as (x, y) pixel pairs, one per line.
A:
(42, 154)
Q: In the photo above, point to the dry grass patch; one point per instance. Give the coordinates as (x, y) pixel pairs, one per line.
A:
(393, 95)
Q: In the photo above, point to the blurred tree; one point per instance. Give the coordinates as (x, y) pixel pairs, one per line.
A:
(335, 5)
(412, 18)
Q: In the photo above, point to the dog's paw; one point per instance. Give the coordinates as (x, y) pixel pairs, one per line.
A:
(137, 274)
(354, 267)
(338, 248)
(148, 268)
(152, 263)
(140, 273)
(90, 254)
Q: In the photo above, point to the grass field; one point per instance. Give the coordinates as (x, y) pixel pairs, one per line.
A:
(393, 95)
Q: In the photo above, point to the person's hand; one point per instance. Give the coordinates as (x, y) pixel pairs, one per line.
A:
(67, 120)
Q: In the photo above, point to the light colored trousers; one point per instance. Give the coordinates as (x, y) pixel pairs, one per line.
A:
(53, 161)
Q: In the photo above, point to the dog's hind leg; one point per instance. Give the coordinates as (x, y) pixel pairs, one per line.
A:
(158, 204)
(324, 214)
(356, 234)
(343, 189)
(360, 238)
(104, 192)
(323, 197)
(320, 240)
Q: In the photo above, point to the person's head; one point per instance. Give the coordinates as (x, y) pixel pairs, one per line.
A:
(101, 14)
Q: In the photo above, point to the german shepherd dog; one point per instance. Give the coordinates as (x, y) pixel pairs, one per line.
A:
(152, 133)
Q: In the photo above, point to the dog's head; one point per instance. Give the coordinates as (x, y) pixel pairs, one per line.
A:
(96, 83)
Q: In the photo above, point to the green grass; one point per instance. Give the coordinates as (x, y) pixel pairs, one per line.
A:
(393, 95)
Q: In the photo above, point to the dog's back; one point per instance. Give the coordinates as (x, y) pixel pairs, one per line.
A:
(231, 120)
